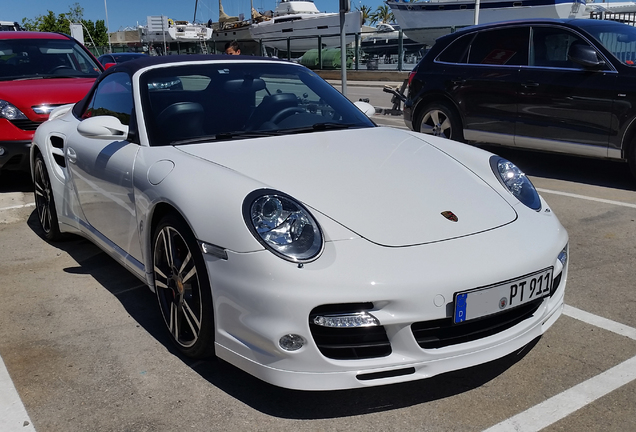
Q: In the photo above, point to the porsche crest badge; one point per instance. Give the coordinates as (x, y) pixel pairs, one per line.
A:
(450, 216)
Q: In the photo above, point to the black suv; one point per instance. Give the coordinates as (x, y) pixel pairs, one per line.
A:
(553, 85)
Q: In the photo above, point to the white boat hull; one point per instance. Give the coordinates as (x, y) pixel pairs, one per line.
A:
(426, 21)
(190, 33)
(303, 32)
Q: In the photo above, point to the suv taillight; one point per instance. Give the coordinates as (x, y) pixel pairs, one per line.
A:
(411, 75)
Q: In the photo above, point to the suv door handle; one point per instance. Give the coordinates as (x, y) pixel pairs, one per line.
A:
(458, 81)
(530, 84)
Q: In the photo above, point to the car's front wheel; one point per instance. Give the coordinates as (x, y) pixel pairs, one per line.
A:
(44, 201)
(183, 288)
(438, 119)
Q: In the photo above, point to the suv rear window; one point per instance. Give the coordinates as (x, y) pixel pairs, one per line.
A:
(456, 52)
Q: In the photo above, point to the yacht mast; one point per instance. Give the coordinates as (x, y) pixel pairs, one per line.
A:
(196, 3)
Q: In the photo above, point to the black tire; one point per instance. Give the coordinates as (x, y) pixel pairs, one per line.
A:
(183, 288)
(44, 201)
(439, 119)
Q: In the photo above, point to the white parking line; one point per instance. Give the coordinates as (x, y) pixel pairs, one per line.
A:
(575, 398)
(13, 415)
(601, 200)
(18, 206)
(601, 322)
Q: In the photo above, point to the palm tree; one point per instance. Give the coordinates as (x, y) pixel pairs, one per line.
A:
(382, 15)
(365, 11)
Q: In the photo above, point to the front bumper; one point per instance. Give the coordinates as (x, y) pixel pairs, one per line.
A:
(259, 298)
(16, 143)
(14, 155)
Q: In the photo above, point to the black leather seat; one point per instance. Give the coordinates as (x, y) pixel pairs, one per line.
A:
(182, 120)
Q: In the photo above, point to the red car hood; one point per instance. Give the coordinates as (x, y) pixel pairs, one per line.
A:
(25, 94)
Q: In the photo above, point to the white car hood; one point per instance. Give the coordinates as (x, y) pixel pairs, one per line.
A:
(381, 183)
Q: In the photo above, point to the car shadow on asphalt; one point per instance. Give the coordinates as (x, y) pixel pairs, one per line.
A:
(140, 304)
(15, 181)
(596, 172)
(314, 405)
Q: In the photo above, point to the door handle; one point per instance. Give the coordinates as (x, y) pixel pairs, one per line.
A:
(71, 155)
(530, 84)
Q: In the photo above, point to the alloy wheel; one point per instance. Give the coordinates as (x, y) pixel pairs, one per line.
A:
(177, 285)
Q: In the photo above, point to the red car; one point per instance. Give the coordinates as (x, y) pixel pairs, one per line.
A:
(38, 72)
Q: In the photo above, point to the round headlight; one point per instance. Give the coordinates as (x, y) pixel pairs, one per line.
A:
(283, 225)
(516, 182)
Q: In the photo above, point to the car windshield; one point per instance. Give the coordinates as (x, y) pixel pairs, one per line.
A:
(44, 58)
(233, 100)
(619, 39)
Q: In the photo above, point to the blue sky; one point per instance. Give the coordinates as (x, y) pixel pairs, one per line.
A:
(123, 13)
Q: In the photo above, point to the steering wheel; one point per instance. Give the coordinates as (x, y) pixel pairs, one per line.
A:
(58, 67)
(282, 115)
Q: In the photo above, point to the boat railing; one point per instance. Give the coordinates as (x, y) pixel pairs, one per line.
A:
(623, 17)
(321, 56)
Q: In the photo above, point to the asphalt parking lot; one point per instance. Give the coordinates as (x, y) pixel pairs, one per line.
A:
(84, 350)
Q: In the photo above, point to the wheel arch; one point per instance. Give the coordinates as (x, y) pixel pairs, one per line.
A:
(427, 99)
(628, 147)
(159, 211)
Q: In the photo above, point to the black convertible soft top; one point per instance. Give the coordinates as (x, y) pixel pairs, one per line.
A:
(133, 66)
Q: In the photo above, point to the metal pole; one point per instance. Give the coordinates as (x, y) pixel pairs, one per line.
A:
(356, 51)
(163, 30)
(476, 12)
(319, 52)
(343, 53)
(400, 49)
(288, 49)
(110, 48)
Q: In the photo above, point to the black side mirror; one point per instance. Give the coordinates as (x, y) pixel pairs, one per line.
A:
(585, 56)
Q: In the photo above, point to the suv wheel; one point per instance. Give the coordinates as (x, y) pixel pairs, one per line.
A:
(440, 120)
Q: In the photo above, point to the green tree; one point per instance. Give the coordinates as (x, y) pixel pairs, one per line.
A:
(382, 14)
(365, 11)
(101, 33)
(93, 32)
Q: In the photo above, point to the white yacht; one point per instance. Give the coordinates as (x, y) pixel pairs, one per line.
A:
(185, 31)
(425, 21)
(302, 23)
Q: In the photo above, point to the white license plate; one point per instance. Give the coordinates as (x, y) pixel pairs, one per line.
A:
(492, 299)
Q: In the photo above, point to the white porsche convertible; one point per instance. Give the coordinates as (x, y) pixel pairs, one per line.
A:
(286, 233)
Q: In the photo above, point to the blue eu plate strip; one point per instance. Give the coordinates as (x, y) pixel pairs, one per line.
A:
(460, 308)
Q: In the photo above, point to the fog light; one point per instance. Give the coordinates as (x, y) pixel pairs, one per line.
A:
(358, 319)
(2, 151)
(292, 342)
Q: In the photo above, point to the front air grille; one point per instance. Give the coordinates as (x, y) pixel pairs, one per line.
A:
(15, 160)
(27, 125)
(441, 333)
(349, 343)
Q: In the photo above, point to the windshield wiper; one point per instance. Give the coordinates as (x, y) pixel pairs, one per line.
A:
(320, 127)
(226, 136)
